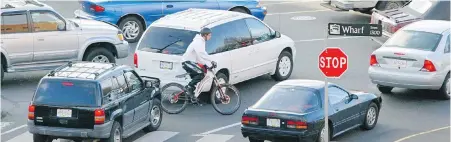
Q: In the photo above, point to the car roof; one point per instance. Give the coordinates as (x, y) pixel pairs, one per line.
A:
(86, 71)
(195, 19)
(313, 84)
(432, 26)
(24, 5)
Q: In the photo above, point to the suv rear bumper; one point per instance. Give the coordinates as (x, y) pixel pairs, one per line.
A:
(99, 131)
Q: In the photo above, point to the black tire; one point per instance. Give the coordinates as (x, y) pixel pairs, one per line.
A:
(41, 138)
(384, 89)
(239, 9)
(116, 126)
(319, 135)
(132, 19)
(278, 76)
(443, 94)
(3, 71)
(255, 140)
(163, 98)
(219, 75)
(100, 51)
(366, 125)
(213, 99)
(384, 5)
(155, 105)
(366, 10)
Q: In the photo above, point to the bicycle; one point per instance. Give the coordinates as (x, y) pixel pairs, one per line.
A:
(218, 96)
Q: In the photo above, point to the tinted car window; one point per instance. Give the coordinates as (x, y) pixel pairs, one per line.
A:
(288, 98)
(259, 31)
(414, 40)
(122, 83)
(228, 36)
(14, 23)
(133, 81)
(45, 21)
(336, 95)
(66, 93)
(157, 38)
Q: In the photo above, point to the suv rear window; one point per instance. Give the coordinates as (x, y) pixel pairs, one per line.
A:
(414, 40)
(67, 93)
(290, 99)
(157, 38)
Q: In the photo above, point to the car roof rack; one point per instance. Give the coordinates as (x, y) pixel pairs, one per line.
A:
(84, 70)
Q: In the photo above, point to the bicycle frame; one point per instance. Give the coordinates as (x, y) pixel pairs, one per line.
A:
(202, 86)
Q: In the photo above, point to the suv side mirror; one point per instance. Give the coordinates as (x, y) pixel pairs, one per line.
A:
(61, 26)
(148, 83)
(354, 97)
(277, 34)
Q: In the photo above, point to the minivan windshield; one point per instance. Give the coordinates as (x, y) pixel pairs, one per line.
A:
(414, 40)
(290, 99)
(66, 93)
(166, 40)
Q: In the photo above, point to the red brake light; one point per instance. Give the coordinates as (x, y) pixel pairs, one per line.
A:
(97, 8)
(296, 124)
(31, 109)
(99, 116)
(428, 66)
(249, 120)
(135, 60)
(373, 60)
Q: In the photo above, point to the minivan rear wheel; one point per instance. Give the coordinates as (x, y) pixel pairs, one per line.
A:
(41, 138)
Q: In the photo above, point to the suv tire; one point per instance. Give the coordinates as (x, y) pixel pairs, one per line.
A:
(285, 57)
(116, 126)
(155, 108)
(100, 53)
(132, 20)
(41, 138)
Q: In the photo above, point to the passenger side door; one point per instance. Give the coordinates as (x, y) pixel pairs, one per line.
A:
(265, 45)
(17, 39)
(136, 87)
(52, 40)
(345, 114)
(111, 93)
(173, 6)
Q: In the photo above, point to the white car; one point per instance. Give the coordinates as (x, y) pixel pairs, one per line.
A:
(415, 57)
(243, 46)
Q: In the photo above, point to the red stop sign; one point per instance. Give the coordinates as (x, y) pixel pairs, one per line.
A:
(333, 62)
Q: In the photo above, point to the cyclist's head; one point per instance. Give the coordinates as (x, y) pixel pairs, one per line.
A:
(206, 33)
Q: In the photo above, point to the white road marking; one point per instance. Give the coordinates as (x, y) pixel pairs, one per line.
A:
(14, 129)
(157, 136)
(296, 12)
(215, 138)
(319, 39)
(218, 129)
(5, 124)
(422, 133)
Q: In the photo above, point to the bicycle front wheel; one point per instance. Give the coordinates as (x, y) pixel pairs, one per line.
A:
(225, 99)
(173, 98)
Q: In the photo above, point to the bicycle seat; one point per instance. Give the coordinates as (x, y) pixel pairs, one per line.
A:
(182, 75)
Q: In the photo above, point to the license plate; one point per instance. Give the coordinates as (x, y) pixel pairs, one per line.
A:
(399, 63)
(273, 122)
(166, 65)
(64, 113)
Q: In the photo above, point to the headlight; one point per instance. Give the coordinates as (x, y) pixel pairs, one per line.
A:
(120, 36)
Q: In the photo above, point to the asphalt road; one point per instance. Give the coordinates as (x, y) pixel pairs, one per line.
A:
(406, 115)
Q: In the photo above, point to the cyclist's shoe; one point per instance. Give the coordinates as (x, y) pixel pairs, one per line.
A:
(189, 91)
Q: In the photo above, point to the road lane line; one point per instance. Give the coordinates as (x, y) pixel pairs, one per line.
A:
(319, 39)
(425, 132)
(215, 138)
(295, 12)
(14, 129)
(25, 137)
(218, 129)
(157, 136)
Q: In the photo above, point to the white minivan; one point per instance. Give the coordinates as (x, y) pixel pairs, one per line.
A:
(243, 46)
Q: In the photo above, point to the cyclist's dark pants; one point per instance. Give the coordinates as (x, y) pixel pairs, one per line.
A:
(195, 71)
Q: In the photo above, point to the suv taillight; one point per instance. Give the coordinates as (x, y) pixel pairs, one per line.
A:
(428, 66)
(135, 60)
(99, 116)
(249, 120)
(31, 109)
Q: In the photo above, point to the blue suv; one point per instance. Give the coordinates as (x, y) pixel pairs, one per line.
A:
(133, 17)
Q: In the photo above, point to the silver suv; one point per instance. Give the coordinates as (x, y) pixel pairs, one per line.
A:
(36, 37)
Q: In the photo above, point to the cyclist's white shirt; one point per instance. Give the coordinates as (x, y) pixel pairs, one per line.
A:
(196, 52)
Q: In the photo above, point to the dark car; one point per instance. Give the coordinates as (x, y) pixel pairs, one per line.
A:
(86, 100)
(292, 110)
(416, 10)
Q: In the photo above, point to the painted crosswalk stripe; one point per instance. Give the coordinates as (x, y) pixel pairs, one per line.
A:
(215, 138)
(157, 136)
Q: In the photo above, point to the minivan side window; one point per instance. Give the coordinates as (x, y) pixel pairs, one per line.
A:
(259, 31)
(14, 23)
(228, 36)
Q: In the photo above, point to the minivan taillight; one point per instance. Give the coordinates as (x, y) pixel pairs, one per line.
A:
(135, 60)
(97, 8)
(296, 124)
(428, 66)
(99, 116)
(373, 60)
(249, 120)
(31, 109)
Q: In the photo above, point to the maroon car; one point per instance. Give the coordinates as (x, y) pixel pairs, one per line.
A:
(393, 20)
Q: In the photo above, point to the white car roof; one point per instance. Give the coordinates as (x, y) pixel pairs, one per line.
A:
(195, 19)
(432, 26)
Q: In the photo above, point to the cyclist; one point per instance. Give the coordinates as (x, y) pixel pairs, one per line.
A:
(195, 59)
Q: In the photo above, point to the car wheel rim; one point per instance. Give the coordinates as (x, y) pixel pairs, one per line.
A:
(155, 115)
(447, 88)
(100, 59)
(284, 66)
(221, 81)
(130, 30)
(371, 116)
(117, 135)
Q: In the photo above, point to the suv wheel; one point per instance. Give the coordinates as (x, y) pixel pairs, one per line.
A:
(284, 66)
(100, 55)
(156, 115)
(132, 28)
(384, 89)
(41, 138)
(116, 133)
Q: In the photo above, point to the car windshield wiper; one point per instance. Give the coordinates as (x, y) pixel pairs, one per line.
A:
(161, 49)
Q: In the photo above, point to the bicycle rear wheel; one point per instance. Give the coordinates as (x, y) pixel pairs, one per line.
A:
(173, 98)
(231, 98)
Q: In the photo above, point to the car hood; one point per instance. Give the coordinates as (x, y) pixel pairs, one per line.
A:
(86, 24)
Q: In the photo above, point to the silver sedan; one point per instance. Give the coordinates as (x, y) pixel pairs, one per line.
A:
(415, 57)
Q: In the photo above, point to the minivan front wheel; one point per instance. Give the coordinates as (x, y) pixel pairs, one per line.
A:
(284, 66)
